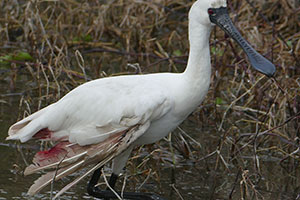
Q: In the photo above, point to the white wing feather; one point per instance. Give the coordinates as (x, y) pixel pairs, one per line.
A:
(93, 111)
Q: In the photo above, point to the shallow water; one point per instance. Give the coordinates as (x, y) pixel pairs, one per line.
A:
(190, 178)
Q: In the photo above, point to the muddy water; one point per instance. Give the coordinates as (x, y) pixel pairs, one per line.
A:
(188, 179)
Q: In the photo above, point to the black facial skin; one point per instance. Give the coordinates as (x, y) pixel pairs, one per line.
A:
(220, 17)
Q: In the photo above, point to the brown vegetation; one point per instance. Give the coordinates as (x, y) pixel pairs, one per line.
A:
(249, 125)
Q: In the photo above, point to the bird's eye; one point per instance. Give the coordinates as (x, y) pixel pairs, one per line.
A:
(210, 11)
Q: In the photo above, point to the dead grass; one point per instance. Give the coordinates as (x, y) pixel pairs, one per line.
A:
(247, 115)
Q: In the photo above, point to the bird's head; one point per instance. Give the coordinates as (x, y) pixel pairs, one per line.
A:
(214, 12)
(199, 11)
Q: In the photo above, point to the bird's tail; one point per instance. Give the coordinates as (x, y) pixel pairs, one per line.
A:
(26, 128)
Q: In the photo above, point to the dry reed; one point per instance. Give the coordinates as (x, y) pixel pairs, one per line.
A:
(246, 120)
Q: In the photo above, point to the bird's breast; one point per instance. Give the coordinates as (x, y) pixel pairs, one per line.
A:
(159, 129)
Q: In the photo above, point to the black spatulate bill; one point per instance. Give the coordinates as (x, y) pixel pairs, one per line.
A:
(220, 17)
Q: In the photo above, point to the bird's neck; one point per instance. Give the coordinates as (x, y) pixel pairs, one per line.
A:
(196, 78)
(198, 66)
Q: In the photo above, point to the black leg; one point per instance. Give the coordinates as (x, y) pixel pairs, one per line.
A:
(108, 194)
(112, 180)
(94, 180)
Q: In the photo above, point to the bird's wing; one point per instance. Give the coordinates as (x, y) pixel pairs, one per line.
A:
(93, 111)
(66, 158)
(92, 124)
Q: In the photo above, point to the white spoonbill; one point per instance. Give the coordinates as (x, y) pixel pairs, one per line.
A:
(102, 120)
